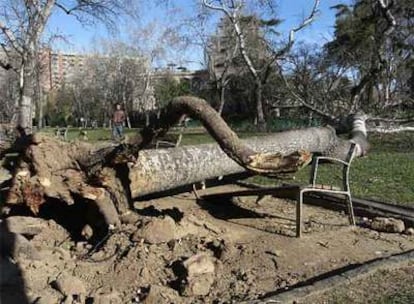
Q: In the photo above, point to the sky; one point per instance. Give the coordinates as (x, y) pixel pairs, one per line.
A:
(84, 39)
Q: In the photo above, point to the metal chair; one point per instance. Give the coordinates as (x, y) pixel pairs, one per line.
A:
(313, 187)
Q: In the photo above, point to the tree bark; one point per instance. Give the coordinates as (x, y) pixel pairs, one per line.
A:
(261, 121)
(25, 97)
(161, 170)
(222, 99)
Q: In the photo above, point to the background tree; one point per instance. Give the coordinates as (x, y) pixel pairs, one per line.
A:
(266, 53)
(22, 23)
(374, 38)
(115, 75)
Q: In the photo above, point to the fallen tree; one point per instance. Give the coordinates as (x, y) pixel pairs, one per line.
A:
(107, 178)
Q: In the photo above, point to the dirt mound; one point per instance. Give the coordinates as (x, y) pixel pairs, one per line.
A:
(175, 250)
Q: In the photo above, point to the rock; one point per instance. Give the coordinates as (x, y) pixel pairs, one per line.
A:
(200, 270)
(409, 231)
(25, 225)
(161, 294)
(87, 232)
(198, 264)
(198, 286)
(69, 285)
(156, 231)
(383, 224)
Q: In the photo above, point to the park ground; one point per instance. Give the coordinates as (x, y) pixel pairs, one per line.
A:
(252, 247)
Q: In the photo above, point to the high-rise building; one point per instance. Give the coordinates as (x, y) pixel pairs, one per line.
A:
(57, 68)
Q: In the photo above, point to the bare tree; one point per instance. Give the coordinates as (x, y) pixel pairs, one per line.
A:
(22, 23)
(233, 11)
(220, 56)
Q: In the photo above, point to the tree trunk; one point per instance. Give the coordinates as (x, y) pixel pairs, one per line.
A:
(222, 99)
(25, 99)
(147, 118)
(40, 106)
(108, 177)
(261, 121)
(160, 170)
(128, 121)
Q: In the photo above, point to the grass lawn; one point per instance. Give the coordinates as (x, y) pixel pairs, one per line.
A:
(386, 174)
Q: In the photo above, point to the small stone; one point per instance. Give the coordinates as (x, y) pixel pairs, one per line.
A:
(87, 232)
(69, 285)
(199, 286)
(200, 263)
(409, 231)
(200, 275)
(156, 231)
(391, 225)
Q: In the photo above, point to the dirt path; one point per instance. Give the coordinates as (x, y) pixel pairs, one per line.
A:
(175, 250)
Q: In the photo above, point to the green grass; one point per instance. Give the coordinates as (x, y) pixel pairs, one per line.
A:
(386, 174)
(93, 135)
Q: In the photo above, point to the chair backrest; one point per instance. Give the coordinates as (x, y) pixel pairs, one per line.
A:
(346, 168)
(346, 164)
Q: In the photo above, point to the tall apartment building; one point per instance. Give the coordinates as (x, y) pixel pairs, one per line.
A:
(57, 68)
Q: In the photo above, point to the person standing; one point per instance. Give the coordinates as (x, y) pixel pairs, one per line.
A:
(118, 120)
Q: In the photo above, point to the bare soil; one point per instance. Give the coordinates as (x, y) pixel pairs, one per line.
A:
(252, 247)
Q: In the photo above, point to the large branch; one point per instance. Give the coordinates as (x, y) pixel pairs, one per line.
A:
(11, 39)
(271, 162)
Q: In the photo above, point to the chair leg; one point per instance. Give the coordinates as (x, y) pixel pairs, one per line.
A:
(350, 210)
(299, 201)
